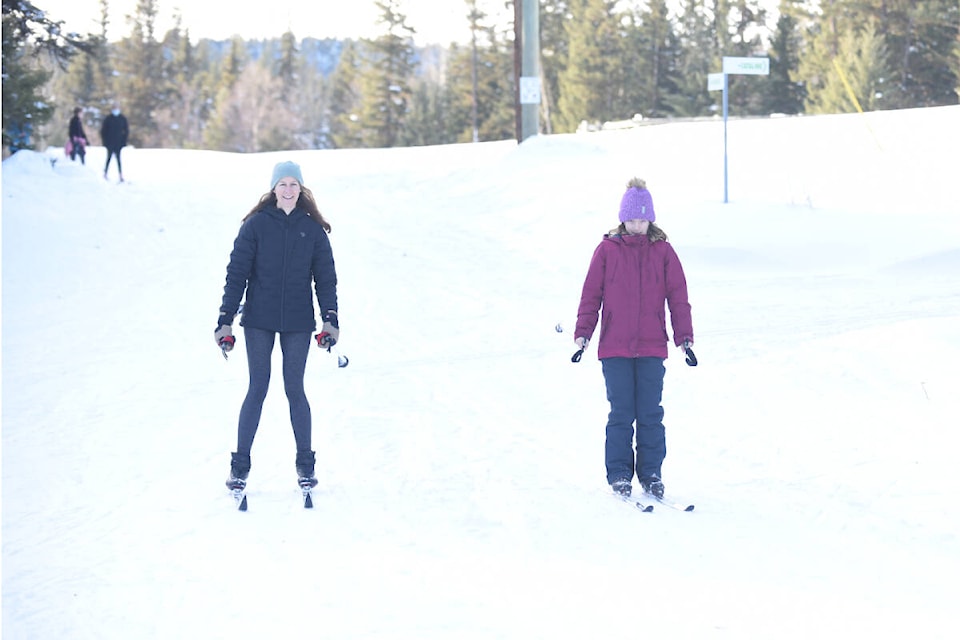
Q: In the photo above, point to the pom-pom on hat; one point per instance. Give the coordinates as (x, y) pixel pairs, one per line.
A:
(637, 203)
(284, 169)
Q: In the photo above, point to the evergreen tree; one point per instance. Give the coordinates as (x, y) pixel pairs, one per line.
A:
(697, 59)
(386, 78)
(588, 85)
(218, 133)
(915, 65)
(553, 57)
(921, 38)
(287, 67)
(492, 61)
(102, 53)
(345, 130)
(859, 66)
(425, 123)
(475, 18)
(654, 75)
(186, 106)
(27, 34)
(496, 96)
(86, 83)
(141, 85)
(782, 94)
(233, 65)
(745, 21)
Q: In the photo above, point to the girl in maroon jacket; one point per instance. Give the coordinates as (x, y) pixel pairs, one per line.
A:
(633, 276)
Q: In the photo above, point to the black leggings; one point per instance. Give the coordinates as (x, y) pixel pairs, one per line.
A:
(110, 154)
(295, 347)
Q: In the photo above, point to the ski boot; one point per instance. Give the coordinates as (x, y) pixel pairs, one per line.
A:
(239, 470)
(305, 476)
(621, 488)
(652, 485)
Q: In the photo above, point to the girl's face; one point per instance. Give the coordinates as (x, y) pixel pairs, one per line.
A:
(287, 192)
(636, 226)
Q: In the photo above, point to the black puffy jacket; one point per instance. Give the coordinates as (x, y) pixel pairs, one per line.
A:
(114, 131)
(275, 259)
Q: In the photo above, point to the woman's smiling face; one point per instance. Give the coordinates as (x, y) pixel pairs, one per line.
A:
(287, 192)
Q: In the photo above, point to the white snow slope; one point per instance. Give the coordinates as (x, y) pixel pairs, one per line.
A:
(460, 454)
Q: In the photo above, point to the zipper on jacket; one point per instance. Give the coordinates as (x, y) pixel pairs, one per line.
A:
(283, 272)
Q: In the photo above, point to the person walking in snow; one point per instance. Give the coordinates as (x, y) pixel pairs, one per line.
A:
(281, 250)
(634, 273)
(78, 137)
(113, 132)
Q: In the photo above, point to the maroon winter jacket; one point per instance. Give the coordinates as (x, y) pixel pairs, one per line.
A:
(631, 278)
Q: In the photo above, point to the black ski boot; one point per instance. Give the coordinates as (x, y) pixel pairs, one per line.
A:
(305, 463)
(652, 485)
(239, 470)
(621, 488)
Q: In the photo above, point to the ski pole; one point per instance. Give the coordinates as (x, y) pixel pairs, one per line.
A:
(326, 341)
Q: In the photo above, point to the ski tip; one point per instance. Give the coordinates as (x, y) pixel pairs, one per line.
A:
(307, 501)
(646, 508)
(243, 504)
(689, 507)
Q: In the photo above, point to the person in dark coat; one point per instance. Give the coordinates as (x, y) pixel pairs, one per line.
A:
(113, 133)
(78, 137)
(634, 274)
(281, 250)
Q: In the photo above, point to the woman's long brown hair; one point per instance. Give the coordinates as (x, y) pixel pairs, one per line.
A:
(654, 233)
(306, 201)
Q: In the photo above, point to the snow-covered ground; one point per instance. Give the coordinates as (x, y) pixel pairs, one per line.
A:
(460, 454)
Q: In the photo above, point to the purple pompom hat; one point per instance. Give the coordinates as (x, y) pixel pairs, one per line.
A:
(637, 203)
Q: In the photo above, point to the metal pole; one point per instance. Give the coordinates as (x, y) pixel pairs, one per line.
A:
(529, 110)
(726, 86)
(473, 73)
(517, 70)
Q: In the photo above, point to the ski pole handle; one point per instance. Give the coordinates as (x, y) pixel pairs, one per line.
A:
(582, 342)
(226, 345)
(691, 357)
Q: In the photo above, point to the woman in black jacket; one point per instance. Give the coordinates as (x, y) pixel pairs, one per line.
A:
(78, 137)
(282, 249)
(114, 132)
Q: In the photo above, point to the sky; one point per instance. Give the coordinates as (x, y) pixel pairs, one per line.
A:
(462, 491)
(436, 21)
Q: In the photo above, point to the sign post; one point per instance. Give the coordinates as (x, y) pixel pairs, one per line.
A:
(530, 75)
(720, 82)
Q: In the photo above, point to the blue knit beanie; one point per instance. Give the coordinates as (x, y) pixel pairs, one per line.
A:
(637, 203)
(284, 169)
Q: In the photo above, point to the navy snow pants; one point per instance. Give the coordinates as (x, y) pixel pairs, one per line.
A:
(635, 390)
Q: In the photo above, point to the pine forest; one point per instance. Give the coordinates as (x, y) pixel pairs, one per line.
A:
(600, 61)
